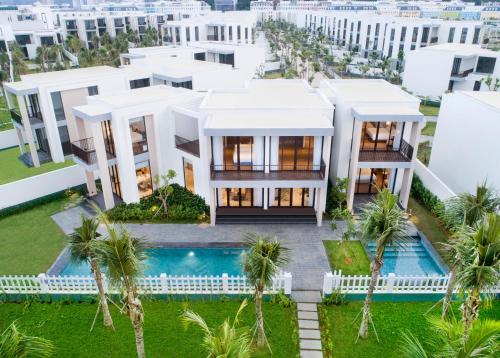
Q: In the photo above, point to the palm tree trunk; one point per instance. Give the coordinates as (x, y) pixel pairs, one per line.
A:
(135, 314)
(139, 338)
(470, 310)
(449, 294)
(261, 334)
(363, 328)
(108, 321)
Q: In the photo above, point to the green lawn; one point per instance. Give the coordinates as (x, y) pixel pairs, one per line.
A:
(429, 129)
(428, 224)
(13, 169)
(390, 319)
(424, 152)
(5, 121)
(272, 75)
(350, 257)
(68, 327)
(30, 241)
(429, 110)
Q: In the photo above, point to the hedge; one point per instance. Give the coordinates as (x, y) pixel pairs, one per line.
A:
(184, 206)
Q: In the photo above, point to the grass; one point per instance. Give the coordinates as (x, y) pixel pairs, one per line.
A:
(272, 75)
(5, 121)
(429, 110)
(429, 129)
(350, 257)
(30, 241)
(428, 224)
(390, 318)
(13, 169)
(424, 152)
(68, 327)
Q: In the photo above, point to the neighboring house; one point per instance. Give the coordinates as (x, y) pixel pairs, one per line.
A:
(225, 5)
(434, 70)
(377, 127)
(465, 149)
(249, 152)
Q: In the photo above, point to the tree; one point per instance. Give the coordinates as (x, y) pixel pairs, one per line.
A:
(465, 211)
(15, 344)
(164, 188)
(492, 85)
(83, 249)
(227, 340)
(263, 261)
(74, 44)
(479, 268)
(122, 255)
(17, 59)
(384, 222)
(448, 340)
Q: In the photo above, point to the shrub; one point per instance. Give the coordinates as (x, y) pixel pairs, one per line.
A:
(336, 196)
(335, 298)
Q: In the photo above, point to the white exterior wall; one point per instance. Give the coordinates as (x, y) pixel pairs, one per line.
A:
(465, 147)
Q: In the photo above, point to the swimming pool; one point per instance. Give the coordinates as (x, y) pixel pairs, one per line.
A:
(410, 258)
(181, 261)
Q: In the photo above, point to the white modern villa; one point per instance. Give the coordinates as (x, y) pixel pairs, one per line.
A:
(431, 71)
(377, 127)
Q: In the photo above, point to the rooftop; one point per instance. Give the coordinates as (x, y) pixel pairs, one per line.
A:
(262, 94)
(71, 75)
(368, 90)
(461, 49)
(491, 98)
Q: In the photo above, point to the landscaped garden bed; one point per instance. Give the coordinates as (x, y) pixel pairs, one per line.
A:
(390, 319)
(164, 333)
(348, 256)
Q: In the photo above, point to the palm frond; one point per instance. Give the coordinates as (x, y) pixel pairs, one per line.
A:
(411, 346)
(15, 344)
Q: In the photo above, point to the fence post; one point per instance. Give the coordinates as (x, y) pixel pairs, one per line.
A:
(163, 283)
(327, 283)
(391, 280)
(44, 288)
(225, 283)
(287, 276)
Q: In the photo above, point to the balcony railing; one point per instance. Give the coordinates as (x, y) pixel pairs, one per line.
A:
(403, 154)
(212, 38)
(90, 27)
(434, 39)
(189, 146)
(84, 149)
(462, 74)
(16, 117)
(267, 172)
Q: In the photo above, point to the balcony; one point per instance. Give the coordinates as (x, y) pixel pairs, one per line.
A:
(267, 172)
(91, 27)
(84, 150)
(16, 117)
(434, 39)
(70, 26)
(461, 75)
(403, 154)
(189, 146)
(212, 38)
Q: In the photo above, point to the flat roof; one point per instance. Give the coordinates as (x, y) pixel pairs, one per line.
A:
(369, 90)
(70, 75)
(262, 94)
(491, 98)
(387, 113)
(461, 49)
(257, 124)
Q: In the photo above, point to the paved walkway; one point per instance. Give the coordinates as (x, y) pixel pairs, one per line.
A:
(309, 333)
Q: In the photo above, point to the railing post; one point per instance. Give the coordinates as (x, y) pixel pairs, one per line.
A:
(327, 283)
(391, 280)
(44, 288)
(225, 283)
(163, 283)
(287, 276)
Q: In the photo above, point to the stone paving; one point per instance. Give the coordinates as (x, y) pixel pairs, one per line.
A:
(309, 332)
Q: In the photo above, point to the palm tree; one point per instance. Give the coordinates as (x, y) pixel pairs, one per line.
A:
(448, 340)
(18, 64)
(82, 249)
(74, 44)
(384, 222)
(122, 255)
(225, 341)
(466, 210)
(15, 344)
(479, 269)
(265, 257)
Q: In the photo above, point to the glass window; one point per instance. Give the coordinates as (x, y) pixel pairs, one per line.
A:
(188, 175)
(296, 153)
(463, 35)
(58, 106)
(292, 197)
(368, 180)
(143, 82)
(236, 197)
(138, 135)
(451, 34)
(486, 64)
(378, 136)
(143, 178)
(65, 141)
(93, 90)
(238, 153)
(115, 180)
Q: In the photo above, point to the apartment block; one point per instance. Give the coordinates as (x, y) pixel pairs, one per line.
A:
(465, 146)
(435, 70)
(377, 128)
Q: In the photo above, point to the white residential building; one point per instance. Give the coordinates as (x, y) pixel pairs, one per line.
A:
(465, 149)
(377, 127)
(248, 151)
(434, 70)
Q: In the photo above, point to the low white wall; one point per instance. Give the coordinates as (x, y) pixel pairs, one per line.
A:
(37, 186)
(272, 66)
(8, 138)
(432, 182)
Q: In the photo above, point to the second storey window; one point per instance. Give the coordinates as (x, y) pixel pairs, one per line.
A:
(451, 34)
(142, 82)
(138, 135)
(486, 64)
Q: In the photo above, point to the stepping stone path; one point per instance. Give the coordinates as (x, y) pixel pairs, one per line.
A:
(309, 334)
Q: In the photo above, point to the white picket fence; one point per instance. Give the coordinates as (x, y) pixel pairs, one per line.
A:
(386, 284)
(154, 285)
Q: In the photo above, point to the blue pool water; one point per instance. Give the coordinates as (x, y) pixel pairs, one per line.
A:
(182, 261)
(411, 258)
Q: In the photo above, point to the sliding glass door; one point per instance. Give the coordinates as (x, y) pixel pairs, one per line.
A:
(238, 153)
(293, 197)
(235, 197)
(295, 153)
